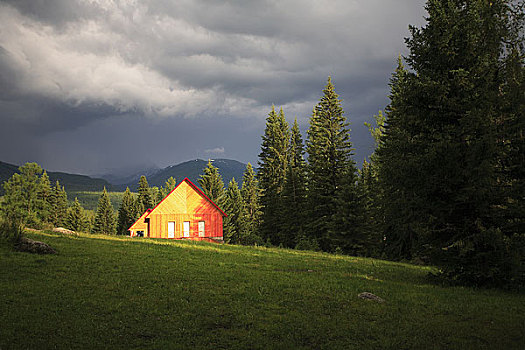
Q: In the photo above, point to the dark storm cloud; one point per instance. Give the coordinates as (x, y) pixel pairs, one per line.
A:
(69, 68)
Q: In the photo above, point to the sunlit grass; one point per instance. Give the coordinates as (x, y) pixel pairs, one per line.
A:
(122, 292)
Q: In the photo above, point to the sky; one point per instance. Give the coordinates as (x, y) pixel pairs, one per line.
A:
(100, 86)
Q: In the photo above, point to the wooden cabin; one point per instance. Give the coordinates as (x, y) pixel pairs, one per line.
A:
(185, 213)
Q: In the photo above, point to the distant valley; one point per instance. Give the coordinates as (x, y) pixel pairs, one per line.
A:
(192, 169)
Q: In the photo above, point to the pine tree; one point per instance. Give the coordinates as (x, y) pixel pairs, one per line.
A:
(170, 184)
(370, 190)
(104, 218)
(251, 197)
(44, 194)
(126, 213)
(212, 184)
(58, 205)
(399, 202)
(294, 191)
(440, 152)
(144, 191)
(331, 173)
(21, 200)
(76, 219)
(235, 222)
(273, 161)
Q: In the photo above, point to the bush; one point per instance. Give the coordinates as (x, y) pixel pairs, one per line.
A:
(306, 243)
(11, 230)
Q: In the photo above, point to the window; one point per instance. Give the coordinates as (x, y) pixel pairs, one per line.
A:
(186, 228)
(201, 229)
(171, 229)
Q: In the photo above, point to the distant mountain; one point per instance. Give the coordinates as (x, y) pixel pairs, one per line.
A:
(124, 179)
(192, 169)
(72, 182)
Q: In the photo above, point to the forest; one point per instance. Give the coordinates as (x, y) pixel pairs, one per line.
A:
(444, 187)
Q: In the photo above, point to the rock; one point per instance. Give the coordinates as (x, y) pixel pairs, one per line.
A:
(35, 247)
(65, 231)
(370, 296)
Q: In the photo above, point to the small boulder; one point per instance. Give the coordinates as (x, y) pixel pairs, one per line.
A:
(65, 231)
(28, 245)
(370, 296)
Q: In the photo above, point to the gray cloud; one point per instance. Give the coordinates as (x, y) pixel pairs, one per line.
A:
(68, 66)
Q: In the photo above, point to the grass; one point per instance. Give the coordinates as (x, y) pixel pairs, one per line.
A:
(112, 292)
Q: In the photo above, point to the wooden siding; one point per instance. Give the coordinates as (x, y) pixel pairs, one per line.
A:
(140, 225)
(184, 203)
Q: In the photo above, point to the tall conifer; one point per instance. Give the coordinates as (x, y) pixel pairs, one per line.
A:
(145, 196)
(331, 173)
(126, 213)
(294, 191)
(273, 161)
(235, 222)
(76, 219)
(212, 184)
(104, 218)
(251, 196)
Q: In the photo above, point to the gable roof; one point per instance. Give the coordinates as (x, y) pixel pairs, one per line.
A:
(198, 190)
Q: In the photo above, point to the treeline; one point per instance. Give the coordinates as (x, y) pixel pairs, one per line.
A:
(445, 184)
(31, 201)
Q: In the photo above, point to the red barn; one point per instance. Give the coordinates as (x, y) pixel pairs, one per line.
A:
(185, 213)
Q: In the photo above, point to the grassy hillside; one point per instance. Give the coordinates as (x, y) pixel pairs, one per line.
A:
(110, 292)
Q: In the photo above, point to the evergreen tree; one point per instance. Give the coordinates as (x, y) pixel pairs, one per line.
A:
(235, 222)
(126, 213)
(440, 152)
(76, 219)
(399, 202)
(370, 190)
(273, 161)
(170, 184)
(212, 184)
(332, 174)
(251, 197)
(21, 200)
(145, 196)
(44, 195)
(104, 218)
(294, 191)
(58, 205)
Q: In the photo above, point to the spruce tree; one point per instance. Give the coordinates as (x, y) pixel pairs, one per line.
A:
(370, 190)
(145, 196)
(235, 222)
(76, 219)
(126, 213)
(212, 184)
(44, 195)
(251, 197)
(104, 218)
(440, 153)
(58, 205)
(332, 174)
(170, 184)
(273, 161)
(294, 191)
(21, 200)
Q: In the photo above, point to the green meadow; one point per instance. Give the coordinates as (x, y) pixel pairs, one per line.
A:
(117, 292)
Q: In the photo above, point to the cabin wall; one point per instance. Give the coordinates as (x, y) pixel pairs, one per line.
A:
(159, 224)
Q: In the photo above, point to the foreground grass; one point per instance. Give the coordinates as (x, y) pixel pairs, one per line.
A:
(109, 292)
